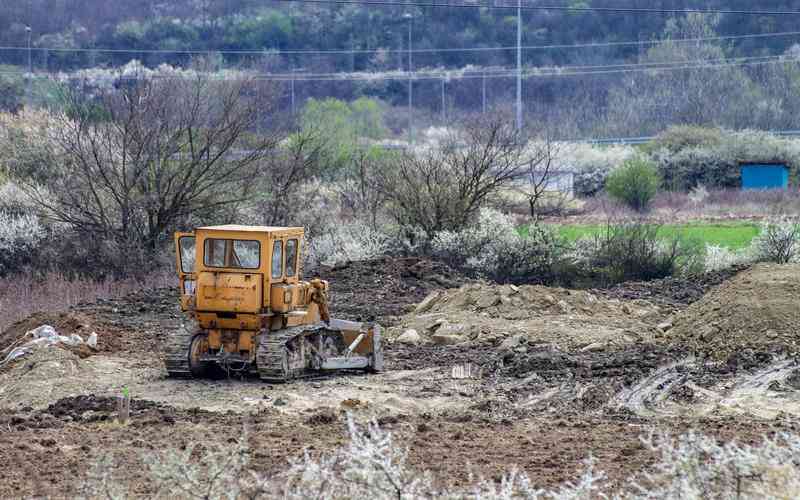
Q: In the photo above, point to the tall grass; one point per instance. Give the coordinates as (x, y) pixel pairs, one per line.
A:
(23, 295)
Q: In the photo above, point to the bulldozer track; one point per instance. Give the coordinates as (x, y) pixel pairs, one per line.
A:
(176, 352)
(271, 356)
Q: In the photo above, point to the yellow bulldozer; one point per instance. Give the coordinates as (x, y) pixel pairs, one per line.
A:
(250, 312)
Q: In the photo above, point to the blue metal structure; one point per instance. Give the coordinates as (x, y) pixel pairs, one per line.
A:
(765, 176)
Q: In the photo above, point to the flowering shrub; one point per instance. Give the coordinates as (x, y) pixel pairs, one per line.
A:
(20, 236)
(591, 163)
(345, 242)
(13, 199)
(374, 466)
(778, 241)
(718, 258)
(695, 466)
(493, 247)
(715, 163)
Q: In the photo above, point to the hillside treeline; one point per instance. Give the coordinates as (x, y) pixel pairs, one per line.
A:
(264, 25)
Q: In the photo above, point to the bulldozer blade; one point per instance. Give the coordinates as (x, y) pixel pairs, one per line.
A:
(364, 340)
(345, 363)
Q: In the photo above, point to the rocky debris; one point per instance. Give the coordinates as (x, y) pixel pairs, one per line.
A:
(491, 314)
(758, 310)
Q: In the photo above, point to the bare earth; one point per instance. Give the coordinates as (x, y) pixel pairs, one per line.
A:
(564, 375)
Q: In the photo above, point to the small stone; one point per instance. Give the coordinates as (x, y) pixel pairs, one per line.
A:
(436, 325)
(665, 326)
(512, 343)
(428, 302)
(594, 346)
(488, 301)
(280, 402)
(410, 336)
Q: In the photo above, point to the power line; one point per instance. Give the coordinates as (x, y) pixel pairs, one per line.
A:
(495, 6)
(432, 50)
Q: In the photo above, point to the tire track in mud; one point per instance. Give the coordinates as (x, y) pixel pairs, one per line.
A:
(747, 393)
(653, 389)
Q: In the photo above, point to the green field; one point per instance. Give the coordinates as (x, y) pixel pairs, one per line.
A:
(734, 235)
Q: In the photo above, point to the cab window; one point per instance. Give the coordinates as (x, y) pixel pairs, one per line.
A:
(291, 258)
(240, 254)
(277, 259)
(187, 252)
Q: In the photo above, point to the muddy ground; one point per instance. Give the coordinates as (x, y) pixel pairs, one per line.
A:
(537, 401)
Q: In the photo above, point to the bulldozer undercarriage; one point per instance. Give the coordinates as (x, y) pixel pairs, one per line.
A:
(281, 355)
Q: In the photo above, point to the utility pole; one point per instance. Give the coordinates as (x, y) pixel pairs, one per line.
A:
(29, 74)
(519, 65)
(444, 105)
(409, 17)
(291, 84)
(483, 92)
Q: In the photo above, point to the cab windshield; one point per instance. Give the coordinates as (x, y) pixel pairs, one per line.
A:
(238, 254)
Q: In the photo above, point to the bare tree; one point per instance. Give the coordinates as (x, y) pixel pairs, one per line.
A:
(360, 191)
(541, 174)
(282, 176)
(441, 187)
(150, 154)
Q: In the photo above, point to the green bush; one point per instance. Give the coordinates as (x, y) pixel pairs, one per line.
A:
(635, 183)
(633, 251)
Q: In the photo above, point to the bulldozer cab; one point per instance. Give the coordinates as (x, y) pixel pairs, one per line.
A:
(239, 269)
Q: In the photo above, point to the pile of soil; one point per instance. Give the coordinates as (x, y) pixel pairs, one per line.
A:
(135, 324)
(385, 288)
(758, 309)
(674, 292)
(569, 319)
(66, 324)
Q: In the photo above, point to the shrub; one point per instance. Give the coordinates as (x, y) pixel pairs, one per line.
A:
(635, 183)
(346, 242)
(634, 251)
(718, 258)
(695, 466)
(680, 137)
(686, 163)
(492, 247)
(20, 236)
(778, 241)
(685, 169)
(373, 465)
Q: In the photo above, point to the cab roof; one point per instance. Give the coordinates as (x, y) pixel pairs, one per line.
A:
(249, 229)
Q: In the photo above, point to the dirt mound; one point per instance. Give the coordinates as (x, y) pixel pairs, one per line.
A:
(569, 319)
(65, 324)
(383, 289)
(674, 292)
(758, 309)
